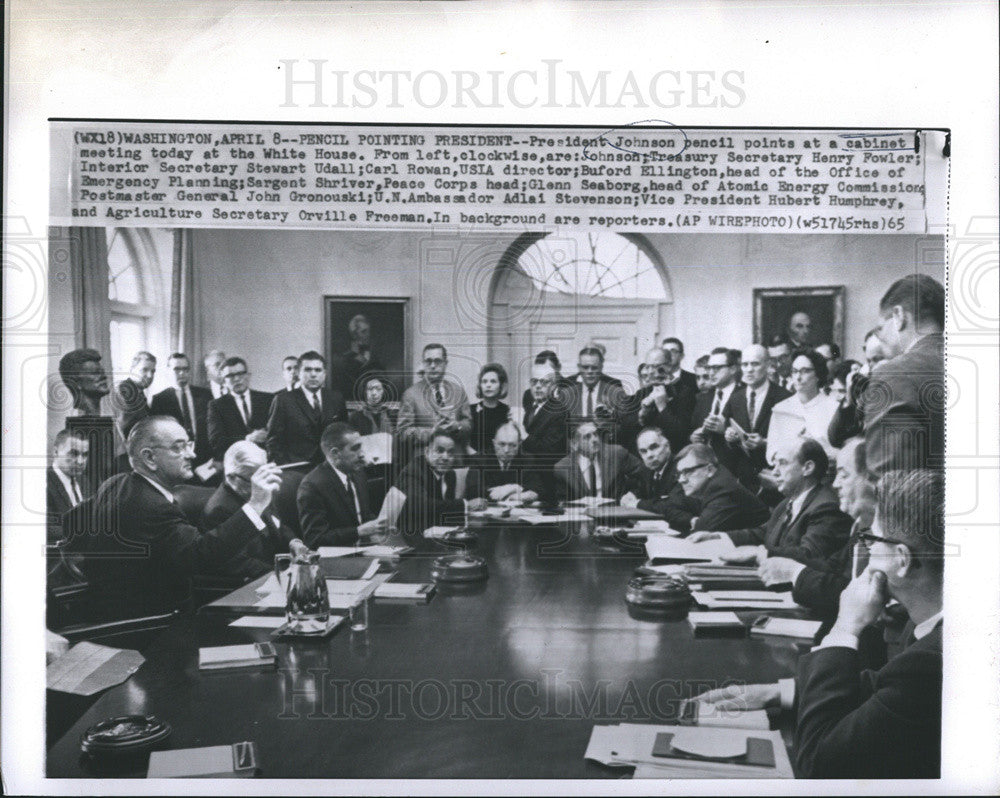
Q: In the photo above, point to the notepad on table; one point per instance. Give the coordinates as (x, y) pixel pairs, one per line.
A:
(404, 591)
(251, 655)
(213, 761)
(786, 627)
(700, 713)
(651, 526)
(663, 549)
(709, 623)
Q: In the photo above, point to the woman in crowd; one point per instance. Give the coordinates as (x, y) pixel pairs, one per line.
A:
(806, 412)
(374, 415)
(490, 413)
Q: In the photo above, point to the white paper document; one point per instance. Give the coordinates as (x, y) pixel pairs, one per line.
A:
(662, 547)
(88, 668)
(652, 526)
(377, 448)
(259, 621)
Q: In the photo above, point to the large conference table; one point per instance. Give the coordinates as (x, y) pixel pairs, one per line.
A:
(504, 680)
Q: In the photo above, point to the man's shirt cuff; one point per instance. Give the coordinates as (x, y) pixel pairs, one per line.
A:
(786, 692)
(255, 518)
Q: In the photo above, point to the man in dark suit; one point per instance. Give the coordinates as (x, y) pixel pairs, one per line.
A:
(333, 501)
(594, 468)
(749, 413)
(240, 414)
(904, 402)
(145, 550)
(873, 724)
(505, 473)
(596, 395)
(654, 488)
(64, 485)
(187, 403)
(722, 503)
(779, 351)
(546, 420)
(807, 524)
(128, 402)
(297, 418)
(708, 419)
(663, 405)
(239, 464)
(437, 493)
(686, 380)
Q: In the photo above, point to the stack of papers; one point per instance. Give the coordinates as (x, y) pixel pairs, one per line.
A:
(644, 527)
(589, 501)
(438, 532)
(663, 549)
(745, 599)
(632, 744)
(379, 551)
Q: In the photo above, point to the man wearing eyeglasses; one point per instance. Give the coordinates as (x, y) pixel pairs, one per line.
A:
(437, 403)
(721, 503)
(749, 416)
(710, 414)
(240, 414)
(144, 550)
(240, 462)
(886, 723)
(807, 524)
(187, 403)
(662, 405)
(594, 468)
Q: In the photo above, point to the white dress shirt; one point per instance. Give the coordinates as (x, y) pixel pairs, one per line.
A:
(350, 489)
(759, 396)
(184, 395)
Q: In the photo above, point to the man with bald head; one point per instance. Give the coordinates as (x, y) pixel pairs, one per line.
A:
(667, 406)
(239, 464)
(142, 561)
(749, 413)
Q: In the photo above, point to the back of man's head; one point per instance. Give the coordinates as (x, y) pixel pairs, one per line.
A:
(334, 436)
(920, 296)
(812, 451)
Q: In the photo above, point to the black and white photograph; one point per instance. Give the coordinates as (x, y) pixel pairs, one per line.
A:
(407, 454)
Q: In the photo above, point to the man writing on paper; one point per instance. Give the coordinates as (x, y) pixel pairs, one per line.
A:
(333, 501)
(505, 474)
(655, 488)
(436, 492)
(593, 468)
(806, 524)
(147, 550)
(854, 723)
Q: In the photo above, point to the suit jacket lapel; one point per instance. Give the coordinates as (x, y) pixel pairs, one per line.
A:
(55, 482)
(304, 407)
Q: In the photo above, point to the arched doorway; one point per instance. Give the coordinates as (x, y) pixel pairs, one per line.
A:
(564, 291)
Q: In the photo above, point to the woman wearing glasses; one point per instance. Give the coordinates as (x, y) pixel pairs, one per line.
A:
(808, 411)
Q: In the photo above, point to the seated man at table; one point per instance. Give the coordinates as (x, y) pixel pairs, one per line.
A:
(333, 501)
(594, 468)
(240, 462)
(144, 550)
(654, 487)
(436, 492)
(886, 723)
(723, 504)
(505, 473)
(806, 525)
(817, 584)
(546, 418)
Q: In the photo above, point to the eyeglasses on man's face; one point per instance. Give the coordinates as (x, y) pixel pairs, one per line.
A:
(177, 447)
(684, 473)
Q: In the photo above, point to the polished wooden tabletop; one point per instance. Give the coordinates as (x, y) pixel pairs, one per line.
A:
(503, 680)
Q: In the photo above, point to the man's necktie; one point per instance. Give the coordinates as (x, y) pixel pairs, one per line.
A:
(246, 410)
(753, 404)
(186, 413)
(592, 476)
(788, 516)
(717, 407)
(590, 403)
(353, 499)
(449, 486)
(317, 408)
(439, 395)
(77, 497)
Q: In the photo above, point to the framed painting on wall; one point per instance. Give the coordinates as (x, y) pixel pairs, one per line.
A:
(809, 316)
(367, 334)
